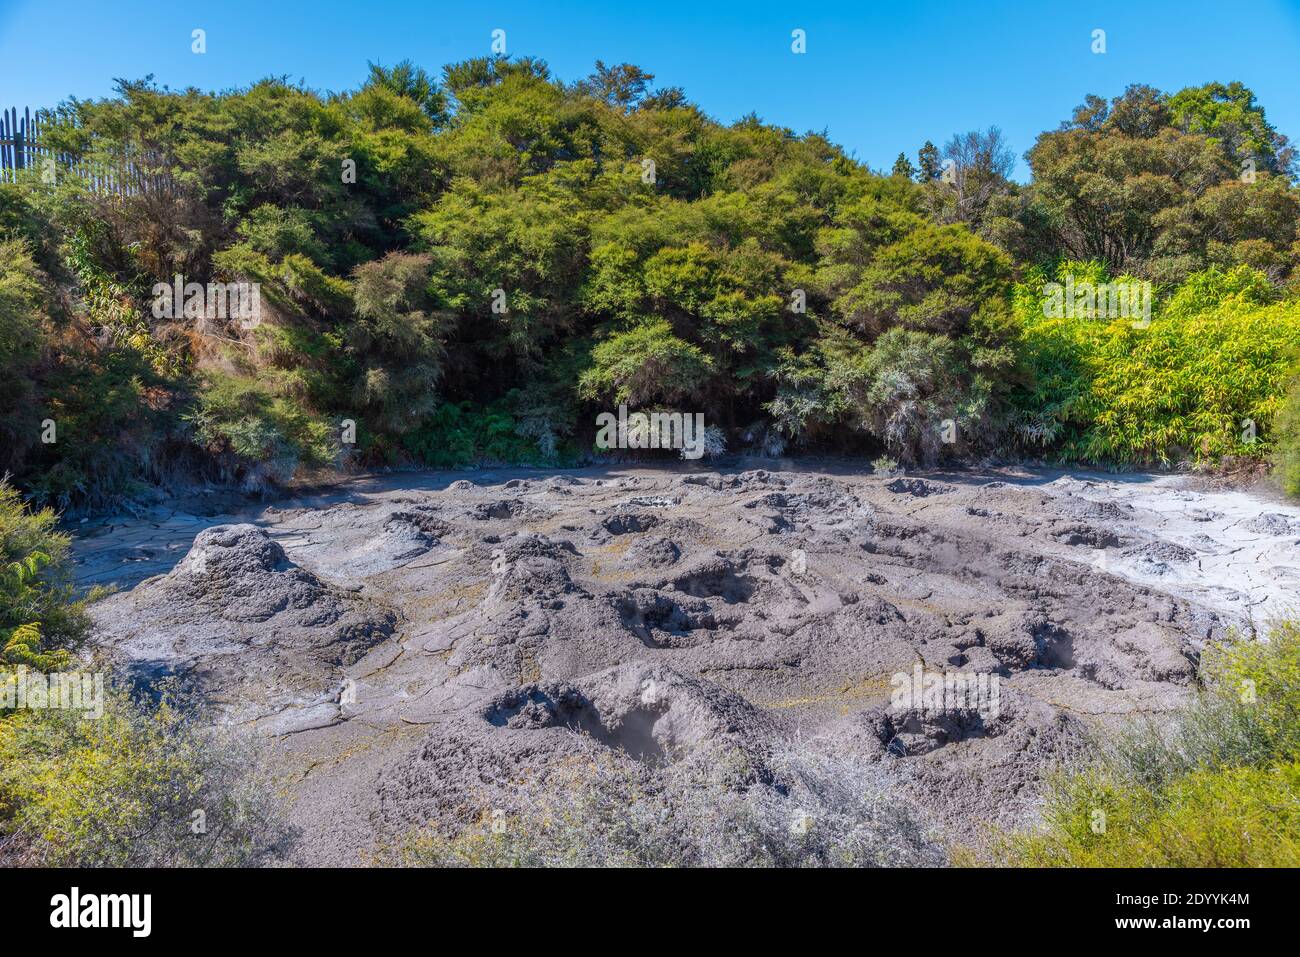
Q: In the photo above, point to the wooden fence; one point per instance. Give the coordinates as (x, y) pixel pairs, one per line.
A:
(125, 172)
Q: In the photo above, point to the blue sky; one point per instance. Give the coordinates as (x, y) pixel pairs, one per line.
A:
(879, 77)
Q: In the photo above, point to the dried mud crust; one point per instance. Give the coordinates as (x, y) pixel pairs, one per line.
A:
(259, 633)
(511, 624)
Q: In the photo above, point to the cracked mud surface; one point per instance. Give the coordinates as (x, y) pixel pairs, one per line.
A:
(415, 644)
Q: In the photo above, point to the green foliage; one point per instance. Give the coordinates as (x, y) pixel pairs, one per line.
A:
(1263, 677)
(1287, 443)
(646, 363)
(240, 416)
(1213, 289)
(462, 434)
(903, 389)
(40, 622)
(526, 242)
(259, 425)
(400, 336)
(926, 333)
(1188, 386)
(1213, 787)
(22, 336)
(496, 242)
(903, 167)
(1159, 186)
(1239, 817)
(807, 403)
(119, 789)
(1229, 115)
(408, 80)
(111, 306)
(104, 382)
(123, 790)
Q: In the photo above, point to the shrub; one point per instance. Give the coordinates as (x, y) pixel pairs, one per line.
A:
(820, 812)
(114, 416)
(935, 278)
(1236, 817)
(462, 434)
(243, 416)
(1214, 787)
(22, 334)
(1200, 382)
(39, 620)
(1213, 288)
(118, 789)
(646, 364)
(401, 340)
(108, 394)
(139, 786)
(1286, 431)
(903, 389)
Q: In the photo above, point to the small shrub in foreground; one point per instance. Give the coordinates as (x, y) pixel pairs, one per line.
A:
(831, 814)
(140, 786)
(1219, 786)
(39, 620)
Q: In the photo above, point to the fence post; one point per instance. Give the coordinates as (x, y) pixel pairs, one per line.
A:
(22, 147)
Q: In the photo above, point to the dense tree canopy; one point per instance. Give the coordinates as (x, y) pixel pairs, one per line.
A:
(1162, 186)
(470, 266)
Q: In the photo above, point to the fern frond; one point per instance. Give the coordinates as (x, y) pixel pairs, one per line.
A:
(23, 646)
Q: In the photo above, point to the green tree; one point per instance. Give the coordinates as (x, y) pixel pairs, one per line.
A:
(22, 337)
(927, 161)
(1142, 185)
(398, 339)
(408, 80)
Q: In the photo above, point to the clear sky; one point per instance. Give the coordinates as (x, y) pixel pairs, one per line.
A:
(880, 77)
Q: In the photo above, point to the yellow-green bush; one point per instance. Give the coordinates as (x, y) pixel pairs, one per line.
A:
(1238, 817)
(1204, 379)
(38, 618)
(115, 781)
(137, 786)
(1286, 428)
(1243, 817)
(245, 416)
(1218, 785)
